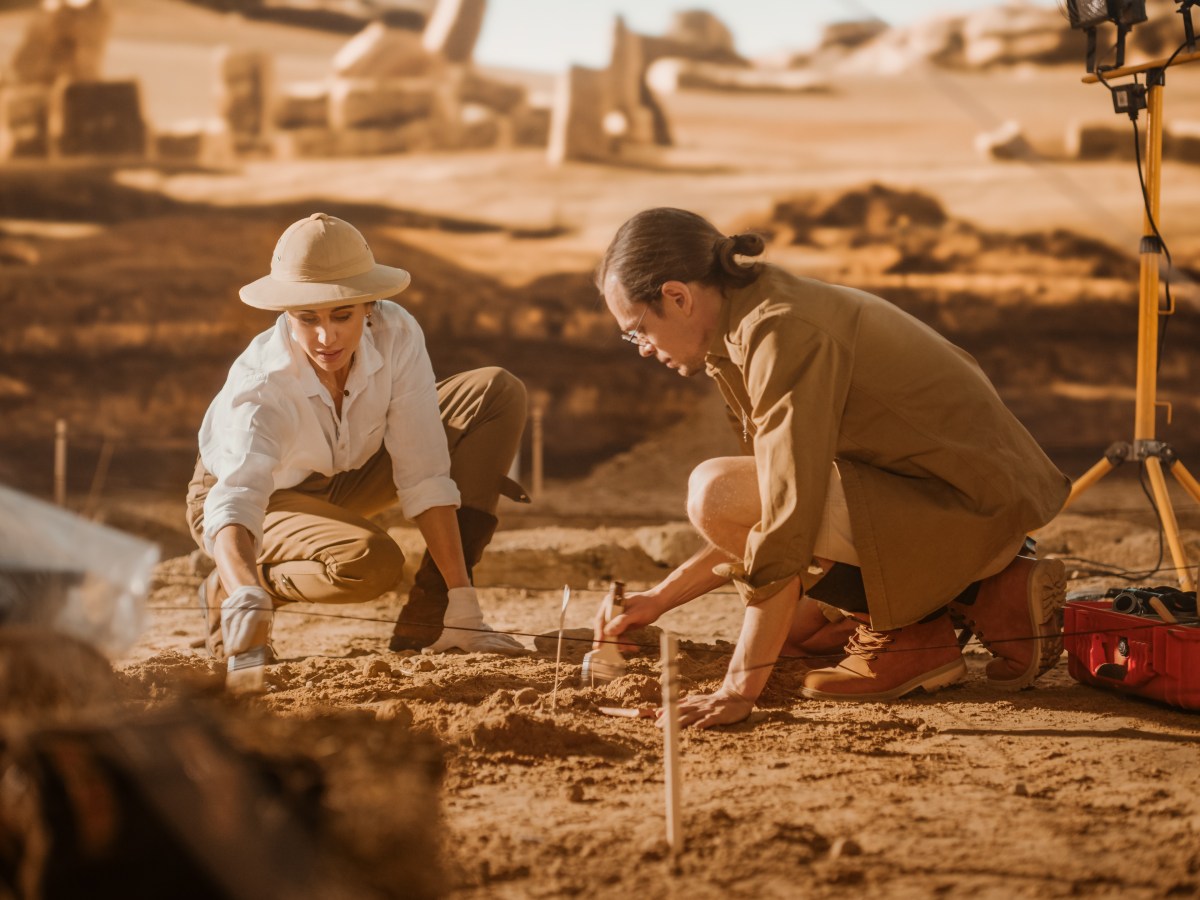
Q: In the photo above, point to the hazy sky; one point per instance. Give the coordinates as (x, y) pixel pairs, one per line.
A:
(548, 35)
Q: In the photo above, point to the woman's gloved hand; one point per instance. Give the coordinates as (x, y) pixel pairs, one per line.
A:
(246, 618)
(463, 628)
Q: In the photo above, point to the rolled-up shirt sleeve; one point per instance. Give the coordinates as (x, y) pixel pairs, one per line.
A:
(249, 432)
(415, 438)
(798, 379)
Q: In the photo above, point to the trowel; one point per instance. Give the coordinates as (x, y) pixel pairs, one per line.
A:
(245, 673)
(603, 665)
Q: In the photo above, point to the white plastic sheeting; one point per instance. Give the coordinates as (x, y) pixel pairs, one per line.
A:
(61, 571)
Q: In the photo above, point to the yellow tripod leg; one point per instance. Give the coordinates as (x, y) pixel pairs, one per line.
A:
(1187, 479)
(1166, 515)
(1087, 479)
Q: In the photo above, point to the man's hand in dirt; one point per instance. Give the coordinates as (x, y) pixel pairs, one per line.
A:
(640, 610)
(705, 710)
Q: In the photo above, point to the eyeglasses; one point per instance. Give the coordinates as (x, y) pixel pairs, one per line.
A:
(634, 335)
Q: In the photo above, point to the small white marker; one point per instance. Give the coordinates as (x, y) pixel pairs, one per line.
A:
(562, 621)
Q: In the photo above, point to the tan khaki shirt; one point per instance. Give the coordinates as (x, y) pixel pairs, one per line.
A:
(940, 478)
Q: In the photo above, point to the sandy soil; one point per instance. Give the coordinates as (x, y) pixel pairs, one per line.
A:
(1062, 790)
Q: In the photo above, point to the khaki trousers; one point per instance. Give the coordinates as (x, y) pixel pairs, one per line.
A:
(318, 545)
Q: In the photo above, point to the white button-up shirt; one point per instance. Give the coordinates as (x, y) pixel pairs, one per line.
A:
(274, 424)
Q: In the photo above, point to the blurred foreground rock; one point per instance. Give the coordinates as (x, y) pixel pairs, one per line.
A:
(47, 674)
(133, 784)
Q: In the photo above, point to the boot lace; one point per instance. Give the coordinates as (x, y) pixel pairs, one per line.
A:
(866, 642)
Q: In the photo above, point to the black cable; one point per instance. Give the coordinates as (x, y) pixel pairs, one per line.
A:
(1163, 319)
(690, 647)
(1094, 568)
(1163, 314)
(693, 648)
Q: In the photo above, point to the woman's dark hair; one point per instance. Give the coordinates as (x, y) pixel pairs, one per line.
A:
(667, 244)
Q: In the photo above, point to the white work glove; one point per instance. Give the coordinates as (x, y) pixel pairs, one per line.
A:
(246, 617)
(463, 628)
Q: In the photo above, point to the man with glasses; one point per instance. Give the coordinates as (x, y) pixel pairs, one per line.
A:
(883, 475)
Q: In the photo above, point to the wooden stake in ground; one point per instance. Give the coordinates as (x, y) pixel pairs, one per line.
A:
(60, 462)
(674, 779)
(537, 414)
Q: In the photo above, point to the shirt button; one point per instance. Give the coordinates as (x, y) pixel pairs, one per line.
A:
(345, 393)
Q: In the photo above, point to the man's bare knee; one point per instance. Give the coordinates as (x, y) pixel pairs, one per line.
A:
(700, 499)
(723, 492)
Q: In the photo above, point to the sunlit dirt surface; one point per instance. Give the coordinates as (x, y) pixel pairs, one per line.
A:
(119, 290)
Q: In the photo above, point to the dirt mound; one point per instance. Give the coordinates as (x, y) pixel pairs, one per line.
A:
(44, 673)
(912, 233)
(172, 673)
(877, 208)
(505, 724)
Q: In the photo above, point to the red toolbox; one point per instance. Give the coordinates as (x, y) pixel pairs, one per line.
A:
(1133, 654)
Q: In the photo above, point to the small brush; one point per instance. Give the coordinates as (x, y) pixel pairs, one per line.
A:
(603, 665)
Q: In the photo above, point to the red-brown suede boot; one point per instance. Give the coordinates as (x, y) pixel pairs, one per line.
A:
(885, 665)
(1017, 615)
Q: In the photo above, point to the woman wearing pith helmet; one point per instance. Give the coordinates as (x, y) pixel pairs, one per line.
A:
(327, 417)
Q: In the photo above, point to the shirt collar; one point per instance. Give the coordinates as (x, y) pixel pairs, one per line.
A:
(717, 348)
(737, 303)
(284, 348)
(367, 360)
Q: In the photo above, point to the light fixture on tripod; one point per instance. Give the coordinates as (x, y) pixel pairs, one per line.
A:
(1088, 15)
(1129, 99)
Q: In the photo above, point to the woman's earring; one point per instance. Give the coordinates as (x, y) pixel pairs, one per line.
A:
(368, 320)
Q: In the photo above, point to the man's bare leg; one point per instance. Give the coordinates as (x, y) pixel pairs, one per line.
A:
(815, 638)
(723, 506)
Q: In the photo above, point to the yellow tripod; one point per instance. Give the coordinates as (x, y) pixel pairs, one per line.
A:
(1145, 449)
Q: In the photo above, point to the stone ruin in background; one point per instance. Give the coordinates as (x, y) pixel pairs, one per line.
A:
(394, 89)
(53, 100)
(407, 82)
(607, 114)
(1002, 36)
(613, 114)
